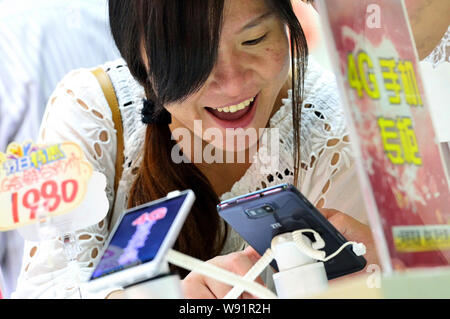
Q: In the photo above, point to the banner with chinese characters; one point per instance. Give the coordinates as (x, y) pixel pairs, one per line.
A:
(37, 182)
(398, 158)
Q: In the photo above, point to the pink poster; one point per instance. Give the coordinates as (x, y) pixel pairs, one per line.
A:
(400, 165)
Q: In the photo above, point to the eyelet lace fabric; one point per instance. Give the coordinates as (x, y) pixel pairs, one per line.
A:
(442, 52)
(78, 111)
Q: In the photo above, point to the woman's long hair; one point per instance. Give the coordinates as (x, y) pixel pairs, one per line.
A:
(181, 40)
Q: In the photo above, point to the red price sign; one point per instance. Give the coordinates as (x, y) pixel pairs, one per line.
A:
(43, 181)
(50, 193)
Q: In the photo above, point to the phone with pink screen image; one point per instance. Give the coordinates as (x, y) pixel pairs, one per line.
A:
(139, 242)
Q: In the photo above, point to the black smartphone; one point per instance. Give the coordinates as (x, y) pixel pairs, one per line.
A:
(259, 216)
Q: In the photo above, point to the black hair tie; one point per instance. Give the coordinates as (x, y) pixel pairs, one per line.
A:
(152, 116)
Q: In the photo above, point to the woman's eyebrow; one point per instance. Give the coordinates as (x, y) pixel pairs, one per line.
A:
(256, 21)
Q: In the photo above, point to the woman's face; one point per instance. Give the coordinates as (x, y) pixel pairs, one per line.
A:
(252, 66)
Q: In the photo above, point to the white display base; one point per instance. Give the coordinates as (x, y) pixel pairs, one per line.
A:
(167, 287)
(301, 281)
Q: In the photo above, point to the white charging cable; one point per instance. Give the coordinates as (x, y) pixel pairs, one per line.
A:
(252, 274)
(358, 248)
(225, 276)
(310, 250)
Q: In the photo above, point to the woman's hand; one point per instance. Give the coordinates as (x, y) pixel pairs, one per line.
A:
(353, 230)
(429, 20)
(196, 286)
(202, 287)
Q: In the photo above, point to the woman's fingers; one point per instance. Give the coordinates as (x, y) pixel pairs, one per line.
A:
(353, 230)
(252, 254)
(194, 287)
(200, 286)
(340, 221)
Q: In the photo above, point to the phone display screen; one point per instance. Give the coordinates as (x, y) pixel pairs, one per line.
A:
(139, 236)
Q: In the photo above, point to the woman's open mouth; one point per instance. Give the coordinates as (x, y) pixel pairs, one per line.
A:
(235, 116)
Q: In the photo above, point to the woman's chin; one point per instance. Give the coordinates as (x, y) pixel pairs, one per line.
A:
(238, 150)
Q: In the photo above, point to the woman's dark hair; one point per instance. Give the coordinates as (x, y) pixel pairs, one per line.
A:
(181, 40)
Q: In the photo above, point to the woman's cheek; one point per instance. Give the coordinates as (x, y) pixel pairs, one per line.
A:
(277, 66)
(277, 57)
(184, 113)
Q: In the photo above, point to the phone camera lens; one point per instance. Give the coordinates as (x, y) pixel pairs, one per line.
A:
(268, 209)
(259, 212)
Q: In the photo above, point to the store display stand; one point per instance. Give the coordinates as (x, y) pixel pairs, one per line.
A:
(161, 287)
(410, 284)
(417, 284)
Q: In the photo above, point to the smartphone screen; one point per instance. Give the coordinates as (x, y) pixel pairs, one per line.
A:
(139, 236)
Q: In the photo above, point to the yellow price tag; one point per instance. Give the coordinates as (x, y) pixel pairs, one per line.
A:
(409, 239)
(40, 181)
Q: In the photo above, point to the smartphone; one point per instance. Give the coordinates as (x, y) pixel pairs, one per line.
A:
(139, 242)
(259, 216)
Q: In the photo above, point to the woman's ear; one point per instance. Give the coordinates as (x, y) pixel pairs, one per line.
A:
(309, 19)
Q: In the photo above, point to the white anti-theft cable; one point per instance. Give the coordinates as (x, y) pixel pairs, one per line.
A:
(252, 274)
(311, 251)
(247, 283)
(212, 271)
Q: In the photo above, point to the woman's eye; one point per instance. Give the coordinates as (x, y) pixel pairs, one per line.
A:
(255, 41)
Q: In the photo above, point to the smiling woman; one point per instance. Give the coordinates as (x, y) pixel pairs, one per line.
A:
(211, 65)
(206, 60)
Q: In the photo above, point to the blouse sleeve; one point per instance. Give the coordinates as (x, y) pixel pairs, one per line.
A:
(328, 175)
(77, 111)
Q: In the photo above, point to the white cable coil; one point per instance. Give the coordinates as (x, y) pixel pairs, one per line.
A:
(358, 248)
(305, 248)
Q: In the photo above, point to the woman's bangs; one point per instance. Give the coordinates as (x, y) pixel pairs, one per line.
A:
(181, 43)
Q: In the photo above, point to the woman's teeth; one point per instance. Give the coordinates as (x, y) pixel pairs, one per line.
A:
(235, 108)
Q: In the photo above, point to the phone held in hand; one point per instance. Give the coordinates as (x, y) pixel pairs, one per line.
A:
(137, 245)
(260, 216)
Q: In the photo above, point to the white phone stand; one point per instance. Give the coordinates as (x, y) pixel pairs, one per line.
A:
(299, 275)
(165, 286)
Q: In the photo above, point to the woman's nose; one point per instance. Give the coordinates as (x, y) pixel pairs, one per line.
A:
(229, 75)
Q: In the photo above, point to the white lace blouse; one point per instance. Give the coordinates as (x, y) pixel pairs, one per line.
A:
(78, 111)
(441, 53)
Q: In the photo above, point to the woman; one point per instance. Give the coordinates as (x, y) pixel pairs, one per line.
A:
(221, 65)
